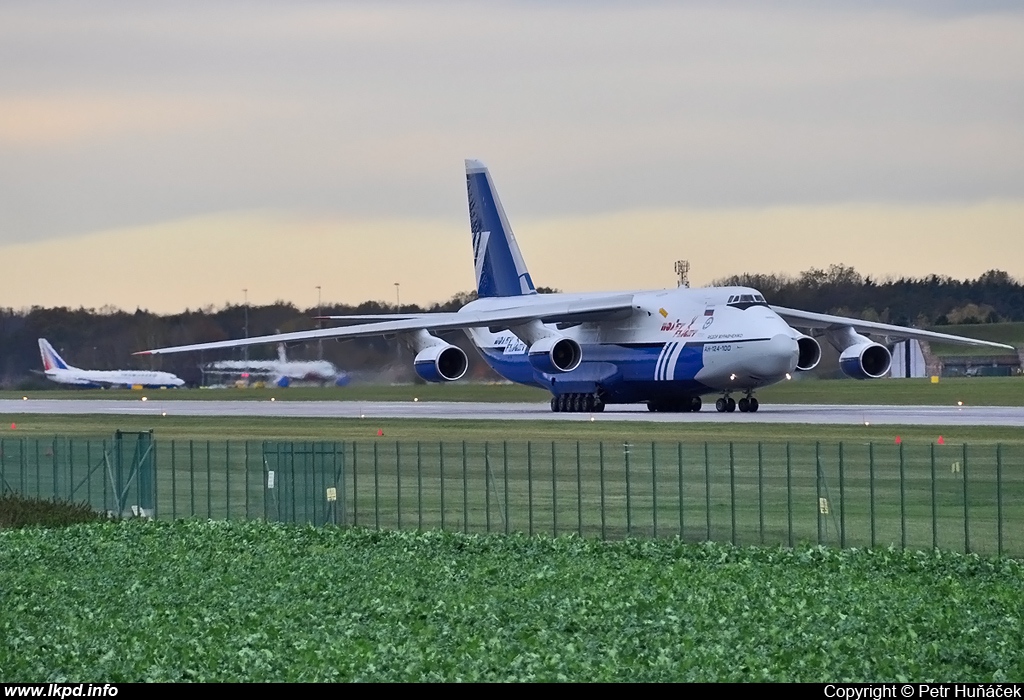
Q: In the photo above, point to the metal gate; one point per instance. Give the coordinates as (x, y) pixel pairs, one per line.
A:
(305, 482)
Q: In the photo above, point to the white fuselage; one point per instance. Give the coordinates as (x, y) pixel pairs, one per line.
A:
(126, 378)
(675, 341)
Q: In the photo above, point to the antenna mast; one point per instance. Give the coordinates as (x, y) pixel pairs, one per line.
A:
(683, 270)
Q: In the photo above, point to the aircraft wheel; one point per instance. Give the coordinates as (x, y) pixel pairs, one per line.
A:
(695, 404)
(753, 405)
(731, 405)
(554, 404)
(743, 404)
(721, 405)
(598, 405)
(589, 401)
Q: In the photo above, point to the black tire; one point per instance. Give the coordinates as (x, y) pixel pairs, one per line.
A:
(695, 404)
(721, 405)
(753, 405)
(743, 404)
(731, 405)
(554, 404)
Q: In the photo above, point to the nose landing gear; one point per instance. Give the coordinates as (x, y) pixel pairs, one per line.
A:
(727, 404)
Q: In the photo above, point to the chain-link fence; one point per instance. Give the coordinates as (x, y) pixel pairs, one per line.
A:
(848, 494)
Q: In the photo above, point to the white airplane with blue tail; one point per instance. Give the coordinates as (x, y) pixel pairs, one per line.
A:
(56, 369)
(666, 348)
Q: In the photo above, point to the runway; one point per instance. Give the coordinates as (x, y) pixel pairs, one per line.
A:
(1012, 416)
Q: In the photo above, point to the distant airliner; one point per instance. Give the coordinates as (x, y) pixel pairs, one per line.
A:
(665, 348)
(58, 370)
(282, 371)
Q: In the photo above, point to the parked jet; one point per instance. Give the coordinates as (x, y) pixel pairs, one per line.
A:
(58, 370)
(666, 348)
(282, 371)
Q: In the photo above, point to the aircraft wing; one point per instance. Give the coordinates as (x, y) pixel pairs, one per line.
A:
(517, 312)
(811, 320)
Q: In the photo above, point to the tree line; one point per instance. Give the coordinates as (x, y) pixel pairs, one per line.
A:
(107, 337)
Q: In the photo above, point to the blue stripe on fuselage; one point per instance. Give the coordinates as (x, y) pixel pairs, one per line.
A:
(645, 369)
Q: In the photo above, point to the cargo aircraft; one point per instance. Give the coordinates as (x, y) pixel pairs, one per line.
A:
(55, 368)
(666, 348)
(282, 371)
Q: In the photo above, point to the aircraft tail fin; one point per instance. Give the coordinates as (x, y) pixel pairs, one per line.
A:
(51, 360)
(280, 353)
(500, 270)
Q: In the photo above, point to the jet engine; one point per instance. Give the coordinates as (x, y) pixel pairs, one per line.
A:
(441, 363)
(555, 353)
(865, 361)
(810, 353)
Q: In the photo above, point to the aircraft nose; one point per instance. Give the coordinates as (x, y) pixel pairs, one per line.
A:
(779, 357)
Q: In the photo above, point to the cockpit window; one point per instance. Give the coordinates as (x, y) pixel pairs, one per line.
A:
(745, 301)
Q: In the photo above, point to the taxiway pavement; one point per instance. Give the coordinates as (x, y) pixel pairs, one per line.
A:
(768, 413)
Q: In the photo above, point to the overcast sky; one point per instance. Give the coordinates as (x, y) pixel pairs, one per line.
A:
(167, 157)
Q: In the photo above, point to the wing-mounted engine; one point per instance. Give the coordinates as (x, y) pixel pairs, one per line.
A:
(810, 353)
(859, 357)
(549, 351)
(555, 354)
(436, 360)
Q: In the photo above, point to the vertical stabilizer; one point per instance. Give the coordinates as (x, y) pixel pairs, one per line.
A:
(280, 353)
(500, 270)
(51, 360)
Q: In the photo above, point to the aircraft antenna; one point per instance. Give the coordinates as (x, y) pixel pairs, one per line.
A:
(683, 270)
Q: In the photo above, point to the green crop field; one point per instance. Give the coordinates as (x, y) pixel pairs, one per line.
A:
(258, 602)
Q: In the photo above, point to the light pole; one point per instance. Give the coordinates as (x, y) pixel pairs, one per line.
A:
(319, 324)
(398, 299)
(245, 348)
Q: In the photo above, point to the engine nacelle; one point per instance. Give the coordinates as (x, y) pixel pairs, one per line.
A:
(865, 361)
(810, 353)
(555, 354)
(441, 363)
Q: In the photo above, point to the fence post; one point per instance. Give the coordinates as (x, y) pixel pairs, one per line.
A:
(191, 480)
(732, 492)
(760, 493)
(554, 493)
(419, 486)
(999, 498)
(465, 490)
(935, 517)
(440, 456)
(817, 484)
(227, 479)
(487, 486)
(707, 490)
(654, 488)
(504, 473)
(967, 519)
(579, 492)
(789, 493)
(629, 513)
(600, 460)
(376, 487)
(355, 487)
(903, 501)
(529, 485)
(842, 499)
(871, 489)
(209, 484)
(398, 484)
(679, 464)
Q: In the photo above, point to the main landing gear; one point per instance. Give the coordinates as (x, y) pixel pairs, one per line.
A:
(727, 404)
(577, 403)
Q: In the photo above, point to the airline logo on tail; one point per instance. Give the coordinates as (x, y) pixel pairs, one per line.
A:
(51, 360)
(500, 270)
